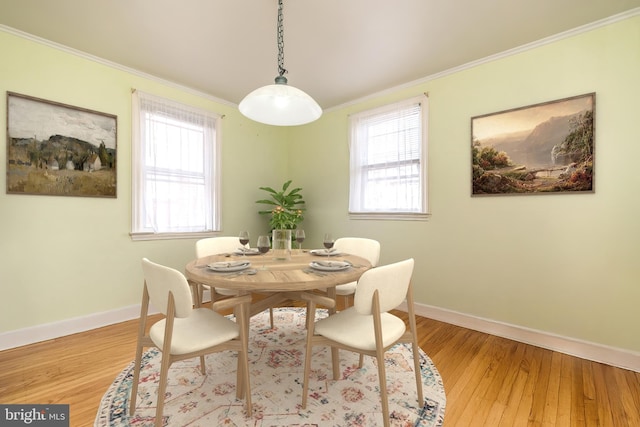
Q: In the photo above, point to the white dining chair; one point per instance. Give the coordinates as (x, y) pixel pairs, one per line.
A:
(367, 327)
(368, 249)
(214, 246)
(186, 332)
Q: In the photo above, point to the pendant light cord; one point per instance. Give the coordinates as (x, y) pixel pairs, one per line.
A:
(281, 69)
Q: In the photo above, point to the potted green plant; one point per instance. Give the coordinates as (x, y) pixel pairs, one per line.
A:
(287, 207)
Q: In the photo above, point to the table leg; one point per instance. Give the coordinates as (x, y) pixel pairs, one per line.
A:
(196, 290)
(331, 293)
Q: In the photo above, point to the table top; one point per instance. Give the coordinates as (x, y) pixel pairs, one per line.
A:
(293, 274)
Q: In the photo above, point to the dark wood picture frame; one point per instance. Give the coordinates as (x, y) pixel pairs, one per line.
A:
(545, 148)
(56, 149)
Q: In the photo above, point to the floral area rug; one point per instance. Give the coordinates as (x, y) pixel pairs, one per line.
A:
(277, 364)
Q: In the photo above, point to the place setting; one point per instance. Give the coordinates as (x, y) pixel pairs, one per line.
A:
(328, 250)
(231, 267)
(241, 266)
(330, 265)
(246, 251)
(243, 249)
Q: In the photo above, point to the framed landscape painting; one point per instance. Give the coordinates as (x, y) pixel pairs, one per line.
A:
(539, 149)
(59, 150)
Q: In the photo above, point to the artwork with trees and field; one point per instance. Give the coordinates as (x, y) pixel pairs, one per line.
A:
(59, 150)
(538, 149)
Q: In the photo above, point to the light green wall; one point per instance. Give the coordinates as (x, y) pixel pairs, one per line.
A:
(65, 257)
(564, 264)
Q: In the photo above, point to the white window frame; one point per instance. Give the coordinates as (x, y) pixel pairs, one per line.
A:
(359, 126)
(144, 173)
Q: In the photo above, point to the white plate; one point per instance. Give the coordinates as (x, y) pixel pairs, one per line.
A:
(229, 266)
(329, 265)
(247, 252)
(324, 252)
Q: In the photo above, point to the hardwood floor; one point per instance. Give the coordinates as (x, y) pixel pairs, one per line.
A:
(489, 381)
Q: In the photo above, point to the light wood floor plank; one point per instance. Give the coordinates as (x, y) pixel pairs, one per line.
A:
(509, 417)
(550, 411)
(565, 398)
(577, 403)
(510, 367)
(526, 402)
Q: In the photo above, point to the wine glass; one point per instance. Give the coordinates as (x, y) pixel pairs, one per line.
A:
(300, 238)
(244, 239)
(263, 247)
(328, 242)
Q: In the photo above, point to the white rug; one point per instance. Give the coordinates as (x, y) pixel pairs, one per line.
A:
(277, 363)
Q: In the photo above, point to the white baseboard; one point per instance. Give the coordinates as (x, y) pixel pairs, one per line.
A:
(30, 335)
(49, 331)
(620, 358)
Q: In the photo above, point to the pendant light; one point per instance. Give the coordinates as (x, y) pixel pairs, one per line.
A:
(280, 104)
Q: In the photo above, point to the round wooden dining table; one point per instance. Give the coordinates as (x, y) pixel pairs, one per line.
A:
(280, 279)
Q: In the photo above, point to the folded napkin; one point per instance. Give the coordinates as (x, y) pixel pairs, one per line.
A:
(324, 251)
(228, 264)
(247, 250)
(324, 263)
(331, 264)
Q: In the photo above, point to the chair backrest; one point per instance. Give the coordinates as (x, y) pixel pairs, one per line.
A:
(368, 249)
(216, 245)
(161, 280)
(392, 283)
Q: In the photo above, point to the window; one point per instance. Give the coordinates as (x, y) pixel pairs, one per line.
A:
(388, 161)
(175, 169)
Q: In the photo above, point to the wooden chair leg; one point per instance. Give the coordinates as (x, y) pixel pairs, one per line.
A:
(311, 310)
(335, 361)
(240, 385)
(136, 380)
(383, 386)
(162, 387)
(243, 385)
(414, 344)
(271, 317)
(416, 366)
(142, 327)
(310, 316)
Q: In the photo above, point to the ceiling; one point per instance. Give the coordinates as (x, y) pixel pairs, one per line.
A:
(335, 50)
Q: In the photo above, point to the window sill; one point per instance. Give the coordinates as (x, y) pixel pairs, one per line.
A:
(395, 216)
(171, 236)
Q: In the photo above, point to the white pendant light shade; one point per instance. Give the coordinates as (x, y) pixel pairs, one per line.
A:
(280, 105)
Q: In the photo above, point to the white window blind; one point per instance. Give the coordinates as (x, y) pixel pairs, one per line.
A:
(175, 167)
(387, 150)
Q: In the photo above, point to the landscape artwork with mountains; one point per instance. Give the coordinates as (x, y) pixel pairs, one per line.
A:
(59, 150)
(538, 149)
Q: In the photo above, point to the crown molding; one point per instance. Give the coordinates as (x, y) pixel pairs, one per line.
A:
(504, 54)
(111, 64)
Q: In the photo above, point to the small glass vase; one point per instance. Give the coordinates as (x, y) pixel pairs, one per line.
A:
(281, 244)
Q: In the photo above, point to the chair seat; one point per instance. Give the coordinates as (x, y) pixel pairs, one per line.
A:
(203, 329)
(352, 329)
(346, 289)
